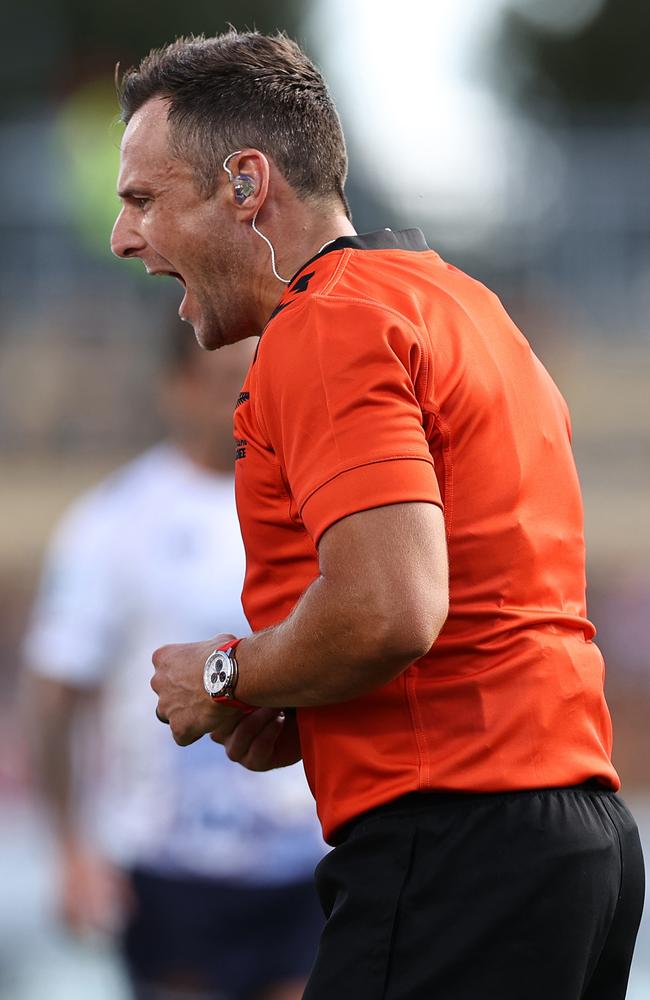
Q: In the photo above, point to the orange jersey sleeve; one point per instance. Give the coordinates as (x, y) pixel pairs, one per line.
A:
(337, 396)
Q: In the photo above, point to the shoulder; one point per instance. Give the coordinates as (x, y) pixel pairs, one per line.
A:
(344, 315)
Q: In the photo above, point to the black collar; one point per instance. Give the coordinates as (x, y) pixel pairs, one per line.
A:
(383, 239)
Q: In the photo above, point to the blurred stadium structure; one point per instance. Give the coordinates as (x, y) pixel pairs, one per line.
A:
(568, 251)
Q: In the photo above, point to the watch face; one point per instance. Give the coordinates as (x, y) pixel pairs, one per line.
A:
(217, 675)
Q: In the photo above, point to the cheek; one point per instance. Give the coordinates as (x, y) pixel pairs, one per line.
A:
(164, 234)
(153, 233)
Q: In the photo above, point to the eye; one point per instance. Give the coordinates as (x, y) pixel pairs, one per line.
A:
(142, 203)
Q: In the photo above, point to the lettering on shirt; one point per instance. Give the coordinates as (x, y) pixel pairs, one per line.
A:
(240, 448)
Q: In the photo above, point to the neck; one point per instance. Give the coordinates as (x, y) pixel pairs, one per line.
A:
(299, 237)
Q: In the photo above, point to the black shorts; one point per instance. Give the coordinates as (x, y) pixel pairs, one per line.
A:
(217, 939)
(519, 896)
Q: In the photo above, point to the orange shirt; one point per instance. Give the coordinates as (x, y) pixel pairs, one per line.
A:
(386, 375)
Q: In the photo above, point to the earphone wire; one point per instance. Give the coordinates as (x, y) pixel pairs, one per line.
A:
(285, 281)
(225, 164)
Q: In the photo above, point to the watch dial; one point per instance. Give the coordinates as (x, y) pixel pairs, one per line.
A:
(216, 674)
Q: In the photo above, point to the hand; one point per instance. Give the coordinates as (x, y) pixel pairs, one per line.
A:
(93, 894)
(182, 698)
(263, 740)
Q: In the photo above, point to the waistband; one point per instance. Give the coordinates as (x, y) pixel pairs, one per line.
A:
(424, 801)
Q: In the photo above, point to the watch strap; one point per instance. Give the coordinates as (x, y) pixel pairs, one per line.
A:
(229, 699)
(226, 699)
(231, 644)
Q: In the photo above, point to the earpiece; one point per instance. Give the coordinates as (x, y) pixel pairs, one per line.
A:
(243, 184)
(244, 187)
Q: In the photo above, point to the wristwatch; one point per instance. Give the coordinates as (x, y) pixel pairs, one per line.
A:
(220, 675)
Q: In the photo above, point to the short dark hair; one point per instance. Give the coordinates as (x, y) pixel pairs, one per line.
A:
(244, 89)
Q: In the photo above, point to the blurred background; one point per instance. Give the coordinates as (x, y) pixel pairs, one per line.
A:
(515, 133)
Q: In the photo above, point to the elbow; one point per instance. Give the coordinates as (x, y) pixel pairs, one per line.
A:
(405, 631)
(416, 631)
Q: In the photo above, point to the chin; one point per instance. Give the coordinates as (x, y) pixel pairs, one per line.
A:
(207, 345)
(212, 333)
(210, 338)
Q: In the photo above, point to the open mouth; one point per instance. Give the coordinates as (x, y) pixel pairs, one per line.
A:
(168, 274)
(180, 279)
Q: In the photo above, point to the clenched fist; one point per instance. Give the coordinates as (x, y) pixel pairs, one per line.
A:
(182, 698)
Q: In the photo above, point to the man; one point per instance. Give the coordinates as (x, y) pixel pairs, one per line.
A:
(176, 846)
(452, 724)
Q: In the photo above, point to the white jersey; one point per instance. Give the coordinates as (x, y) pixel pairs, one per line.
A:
(152, 556)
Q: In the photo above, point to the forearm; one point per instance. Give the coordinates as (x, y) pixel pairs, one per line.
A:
(378, 604)
(331, 648)
(92, 894)
(50, 710)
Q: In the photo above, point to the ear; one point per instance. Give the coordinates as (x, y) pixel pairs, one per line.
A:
(248, 182)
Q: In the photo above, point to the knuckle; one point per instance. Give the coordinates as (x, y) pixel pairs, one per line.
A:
(159, 655)
(233, 752)
(178, 733)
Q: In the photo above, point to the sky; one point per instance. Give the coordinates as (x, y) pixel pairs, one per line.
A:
(411, 80)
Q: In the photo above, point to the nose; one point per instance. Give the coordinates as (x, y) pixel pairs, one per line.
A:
(126, 241)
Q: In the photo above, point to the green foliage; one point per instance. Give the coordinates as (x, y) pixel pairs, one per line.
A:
(88, 135)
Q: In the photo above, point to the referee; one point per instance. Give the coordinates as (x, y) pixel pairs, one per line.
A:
(415, 561)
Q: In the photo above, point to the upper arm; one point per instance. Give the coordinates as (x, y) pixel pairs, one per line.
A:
(390, 564)
(341, 390)
(342, 400)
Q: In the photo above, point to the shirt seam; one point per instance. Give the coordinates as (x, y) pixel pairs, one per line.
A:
(327, 294)
(359, 300)
(336, 274)
(362, 465)
(419, 730)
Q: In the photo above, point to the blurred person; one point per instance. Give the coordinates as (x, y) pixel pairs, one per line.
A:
(206, 867)
(452, 721)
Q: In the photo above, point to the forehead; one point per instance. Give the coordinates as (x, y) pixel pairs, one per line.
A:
(144, 151)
